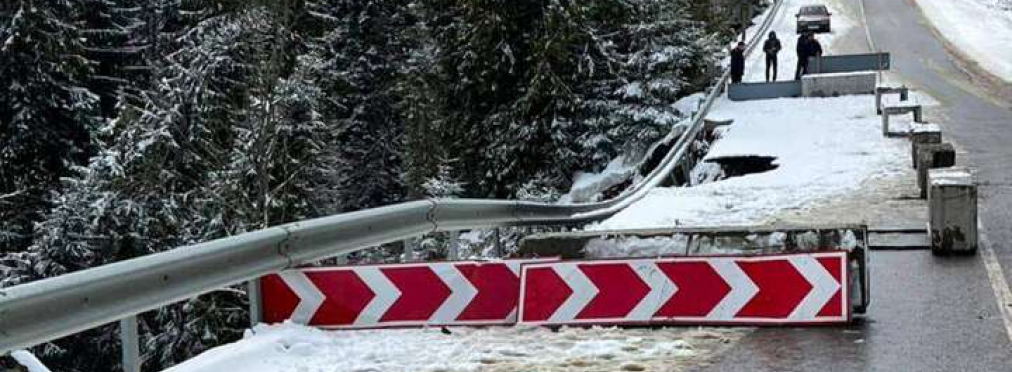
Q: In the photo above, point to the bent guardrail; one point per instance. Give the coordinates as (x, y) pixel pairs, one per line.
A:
(44, 310)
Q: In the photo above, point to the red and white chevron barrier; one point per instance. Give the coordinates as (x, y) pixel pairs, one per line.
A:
(781, 289)
(443, 293)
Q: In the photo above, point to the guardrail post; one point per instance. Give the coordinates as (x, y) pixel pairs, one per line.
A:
(498, 244)
(409, 250)
(130, 344)
(255, 301)
(453, 246)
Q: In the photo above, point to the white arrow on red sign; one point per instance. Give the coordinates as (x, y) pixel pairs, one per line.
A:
(781, 289)
(445, 293)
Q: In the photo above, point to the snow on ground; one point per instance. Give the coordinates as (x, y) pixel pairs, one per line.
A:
(588, 185)
(979, 29)
(294, 348)
(825, 148)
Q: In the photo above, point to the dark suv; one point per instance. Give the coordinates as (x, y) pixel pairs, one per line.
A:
(813, 18)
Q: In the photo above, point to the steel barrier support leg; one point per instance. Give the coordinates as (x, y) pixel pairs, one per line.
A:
(498, 244)
(130, 343)
(255, 301)
(409, 250)
(453, 248)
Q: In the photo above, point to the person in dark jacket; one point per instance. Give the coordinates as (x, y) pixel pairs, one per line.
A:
(737, 62)
(814, 47)
(802, 50)
(771, 47)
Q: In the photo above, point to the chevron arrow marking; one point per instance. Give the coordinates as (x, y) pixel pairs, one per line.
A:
(778, 289)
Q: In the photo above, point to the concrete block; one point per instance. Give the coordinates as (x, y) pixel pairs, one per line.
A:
(849, 63)
(881, 91)
(952, 209)
(839, 84)
(930, 156)
(900, 109)
(771, 90)
(920, 134)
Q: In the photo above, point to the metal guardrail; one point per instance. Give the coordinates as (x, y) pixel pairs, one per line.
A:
(44, 310)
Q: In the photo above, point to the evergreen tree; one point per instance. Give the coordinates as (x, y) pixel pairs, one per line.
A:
(224, 145)
(357, 66)
(528, 91)
(46, 114)
(116, 36)
(227, 116)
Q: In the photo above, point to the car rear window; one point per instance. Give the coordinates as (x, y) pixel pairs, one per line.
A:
(813, 10)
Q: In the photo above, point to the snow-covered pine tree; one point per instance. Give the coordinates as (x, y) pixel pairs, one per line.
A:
(116, 36)
(46, 113)
(479, 57)
(187, 166)
(539, 90)
(647, 61)
(274, 158)
(357, 67)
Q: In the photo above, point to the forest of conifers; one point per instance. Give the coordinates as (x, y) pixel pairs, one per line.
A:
(129, 127)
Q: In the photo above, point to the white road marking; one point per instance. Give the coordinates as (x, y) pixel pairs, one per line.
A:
(996, 276)
(867, 30)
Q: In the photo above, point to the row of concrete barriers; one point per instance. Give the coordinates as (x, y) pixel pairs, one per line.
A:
(950, 190)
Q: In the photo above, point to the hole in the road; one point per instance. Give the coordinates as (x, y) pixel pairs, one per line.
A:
(737, 166)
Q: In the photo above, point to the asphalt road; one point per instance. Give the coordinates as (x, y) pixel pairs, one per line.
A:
(928, 313)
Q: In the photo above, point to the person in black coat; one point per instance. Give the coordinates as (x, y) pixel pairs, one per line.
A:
(737, 62)
(802, 49)
(771, 47)
(814, 47)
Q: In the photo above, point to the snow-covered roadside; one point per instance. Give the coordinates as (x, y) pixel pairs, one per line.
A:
(290, 348)
(979, 29)
(825, 148)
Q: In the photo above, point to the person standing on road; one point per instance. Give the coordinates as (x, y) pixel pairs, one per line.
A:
(814, 47)
(802, 50)
(771, 47)
(737, 62)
